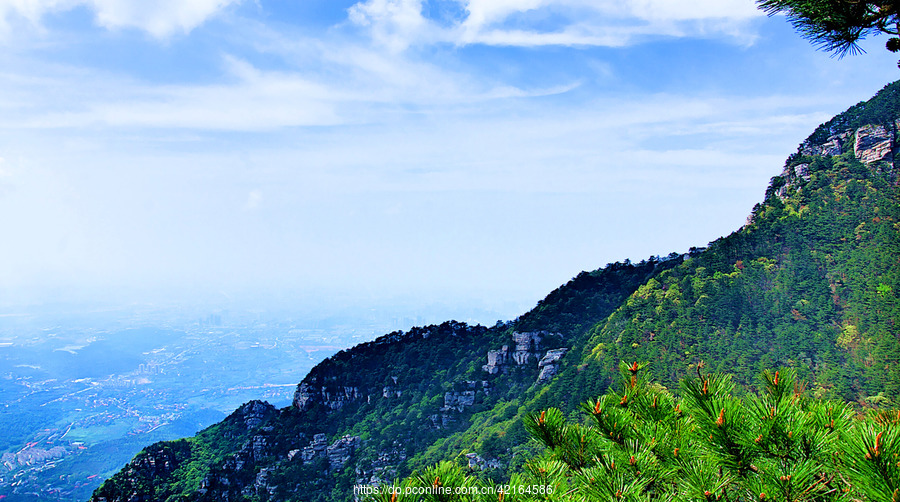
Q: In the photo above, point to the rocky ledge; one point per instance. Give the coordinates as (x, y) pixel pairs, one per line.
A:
(527, 346)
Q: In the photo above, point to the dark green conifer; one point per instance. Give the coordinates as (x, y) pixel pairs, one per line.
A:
(640, 443)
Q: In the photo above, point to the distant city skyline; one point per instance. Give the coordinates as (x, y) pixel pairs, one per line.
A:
(476, 152)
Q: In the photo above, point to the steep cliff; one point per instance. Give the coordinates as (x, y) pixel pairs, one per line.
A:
(163, 470)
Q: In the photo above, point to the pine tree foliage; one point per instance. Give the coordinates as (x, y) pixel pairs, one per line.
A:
(838, 25)
(873, 458)
(641, 443)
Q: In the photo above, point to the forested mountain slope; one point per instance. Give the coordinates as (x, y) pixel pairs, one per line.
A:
(810, 282)
(367, 413)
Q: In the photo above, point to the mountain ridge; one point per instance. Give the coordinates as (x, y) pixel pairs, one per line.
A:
(810, 281)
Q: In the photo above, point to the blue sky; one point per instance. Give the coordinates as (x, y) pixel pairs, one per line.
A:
(465, 151)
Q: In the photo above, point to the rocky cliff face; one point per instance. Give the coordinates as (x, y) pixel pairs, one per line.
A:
(337, 453)
(527, 348)
(238, 474)
(254, 413)
(456, 402)
(383, 468)
(335, 390)
(146, 478)
(154, 463)
(527, 345)
(870, 143)
(836, 144)
(873, 144)
(332, 397)
(549, 364)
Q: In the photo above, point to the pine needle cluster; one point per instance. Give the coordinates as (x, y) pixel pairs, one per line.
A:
(837, 26)
(640, 443)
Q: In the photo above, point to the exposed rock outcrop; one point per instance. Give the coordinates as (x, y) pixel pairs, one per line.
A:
(458, 400)
(232, 477)
(254, 413)
(549, 364)
(333, 398)
(383, 468)
(836, 144)
(527, 346)
(390, 391)
(260, 484)
(316, 448)
(873, 143)
(338, 453)
(157, 462)
(497, 360)
(253, 451)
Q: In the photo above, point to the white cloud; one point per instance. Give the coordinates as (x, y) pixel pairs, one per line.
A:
(160, 18)
(678, 10)
(253, 101)
(394, 23)
(397, 24)
(487, 12)
(356, 85)
(400, 23)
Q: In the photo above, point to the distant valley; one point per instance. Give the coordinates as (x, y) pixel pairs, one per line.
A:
(81, 394)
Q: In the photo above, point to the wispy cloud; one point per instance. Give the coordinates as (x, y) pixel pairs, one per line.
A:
(160, 18)
(398, 24)
(393, 23)
(346, 84)
(339, 78)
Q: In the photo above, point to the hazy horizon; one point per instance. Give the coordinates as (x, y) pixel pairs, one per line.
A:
(340, 154)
